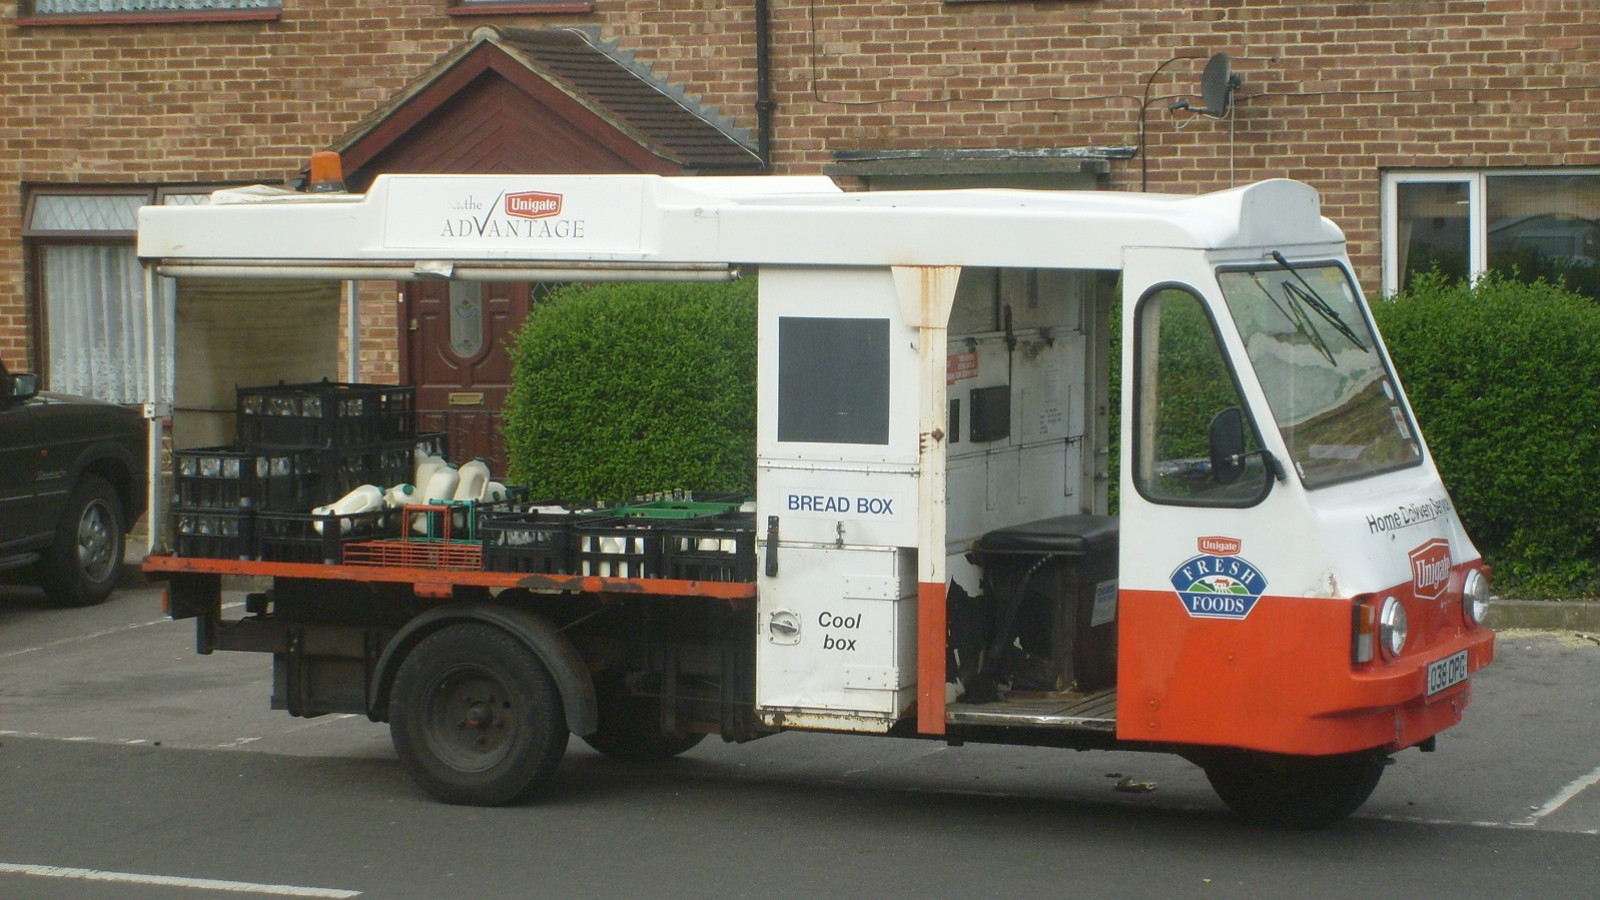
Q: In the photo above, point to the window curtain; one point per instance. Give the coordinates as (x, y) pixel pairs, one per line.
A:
(95, 314)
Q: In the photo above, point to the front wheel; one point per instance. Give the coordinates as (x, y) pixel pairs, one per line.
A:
(476, 718)
(81, 567)
(1300, 792)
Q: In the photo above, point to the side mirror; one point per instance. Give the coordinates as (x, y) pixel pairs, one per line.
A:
(21, 387)
(1227, 446)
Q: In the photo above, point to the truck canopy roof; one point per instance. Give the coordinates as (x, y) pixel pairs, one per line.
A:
(516, 227)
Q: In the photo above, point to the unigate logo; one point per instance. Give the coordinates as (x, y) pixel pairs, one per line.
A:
(533, 205)
(1430, 569)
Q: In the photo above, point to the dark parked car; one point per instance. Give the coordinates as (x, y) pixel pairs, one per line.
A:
(72, 482)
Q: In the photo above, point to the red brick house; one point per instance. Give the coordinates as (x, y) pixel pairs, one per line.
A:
(1458, 133)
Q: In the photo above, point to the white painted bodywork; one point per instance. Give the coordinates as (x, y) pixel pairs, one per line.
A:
(861, 524)
(406, 220)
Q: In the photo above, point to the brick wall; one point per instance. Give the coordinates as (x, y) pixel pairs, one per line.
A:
(1332, 92)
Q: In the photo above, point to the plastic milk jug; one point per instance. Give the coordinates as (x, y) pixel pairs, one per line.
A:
(442, 484)
(427, 464)
(473, 479)
(363, 499)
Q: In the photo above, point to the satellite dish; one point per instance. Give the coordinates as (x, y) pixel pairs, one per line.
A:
(1217, 84)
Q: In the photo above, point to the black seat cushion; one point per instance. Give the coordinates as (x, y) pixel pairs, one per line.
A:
(1068, 535)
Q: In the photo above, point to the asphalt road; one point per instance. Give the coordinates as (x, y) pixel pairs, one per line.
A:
(130, 767)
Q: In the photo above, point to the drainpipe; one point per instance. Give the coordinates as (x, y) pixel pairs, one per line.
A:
(764, 102)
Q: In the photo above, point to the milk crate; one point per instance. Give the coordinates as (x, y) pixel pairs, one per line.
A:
(538, 540)
(617, 548)
(325, 414)
(720, 548)
(234, 477)
(383, 464)
(311, 538)
(211, 533)
(673, 509)
(406, 553)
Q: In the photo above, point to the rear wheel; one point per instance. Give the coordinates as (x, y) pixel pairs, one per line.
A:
(81, 568)
(476, 718)
(630, 724)
(1301, 792)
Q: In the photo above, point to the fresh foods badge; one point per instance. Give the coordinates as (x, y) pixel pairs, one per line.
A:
(1218, 583)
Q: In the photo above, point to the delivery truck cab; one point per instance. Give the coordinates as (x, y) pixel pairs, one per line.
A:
(1259, 569)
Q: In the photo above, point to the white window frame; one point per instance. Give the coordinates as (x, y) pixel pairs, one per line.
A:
(156, 337)
(1477, 181)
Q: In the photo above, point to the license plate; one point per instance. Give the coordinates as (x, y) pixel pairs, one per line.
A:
(1447, 672)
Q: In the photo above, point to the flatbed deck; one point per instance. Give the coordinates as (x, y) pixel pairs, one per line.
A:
(431, 582)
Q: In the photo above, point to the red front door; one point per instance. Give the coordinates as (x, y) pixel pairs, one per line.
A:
(458, 359)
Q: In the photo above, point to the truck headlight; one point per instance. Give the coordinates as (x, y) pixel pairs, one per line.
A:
(1475, 597)
(1392, 627)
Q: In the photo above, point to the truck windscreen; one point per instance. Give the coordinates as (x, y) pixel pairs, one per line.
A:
(1334, 399)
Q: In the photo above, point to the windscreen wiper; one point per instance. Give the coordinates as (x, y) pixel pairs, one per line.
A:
(1295, 313)
(1311, 298)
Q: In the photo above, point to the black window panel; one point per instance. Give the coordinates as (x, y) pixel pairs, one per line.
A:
(833, 380)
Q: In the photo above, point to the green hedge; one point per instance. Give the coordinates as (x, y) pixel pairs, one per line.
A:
(624, 389)
(1505, 381)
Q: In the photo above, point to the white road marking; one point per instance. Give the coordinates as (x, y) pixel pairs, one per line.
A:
(1577, 787)
(98, 634)
(83, 637)
(208, 884)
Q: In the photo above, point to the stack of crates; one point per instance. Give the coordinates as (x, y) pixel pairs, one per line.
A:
(299, 446)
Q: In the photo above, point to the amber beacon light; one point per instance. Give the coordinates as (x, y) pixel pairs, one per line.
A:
(327, 173)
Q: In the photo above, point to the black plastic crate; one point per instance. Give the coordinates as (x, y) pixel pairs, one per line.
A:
(345, 468)
(524, 540)
(617, 548)
(311, 538)
(325, 414)
(233, 477)
(213, 533)
(720, 548)
(435, 442)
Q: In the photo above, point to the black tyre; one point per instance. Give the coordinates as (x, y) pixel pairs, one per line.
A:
(81, 568)
(476, 718)
(630, 725)
(1300, 792)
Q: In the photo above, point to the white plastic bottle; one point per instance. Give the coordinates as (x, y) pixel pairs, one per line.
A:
(441, 489)
(473, 478)
(400, 495)
(426, 465)
(496, 491)
(442, 484)
(363, 499)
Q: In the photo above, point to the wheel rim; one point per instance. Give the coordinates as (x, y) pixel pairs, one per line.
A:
(96, 542)
(470, 722)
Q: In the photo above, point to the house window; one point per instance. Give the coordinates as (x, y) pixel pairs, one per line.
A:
(503, 7)
(89, 295)
(1526, 224)
(100, 12)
